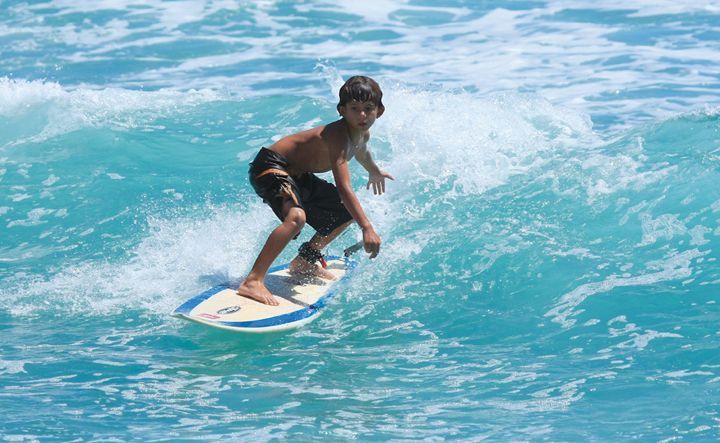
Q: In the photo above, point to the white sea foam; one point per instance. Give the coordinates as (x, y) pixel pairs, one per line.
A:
(12, 367)
(677, 265)
(642, 8)
(18, 96)
(177, 258)
(64, 110)
(558, 398)
(570, 59)
(607, 174)
(664, 226)
(476, 141)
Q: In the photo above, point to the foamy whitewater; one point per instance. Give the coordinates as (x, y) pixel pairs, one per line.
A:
(549, 268)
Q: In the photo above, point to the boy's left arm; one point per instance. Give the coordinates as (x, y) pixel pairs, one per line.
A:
(377, 176)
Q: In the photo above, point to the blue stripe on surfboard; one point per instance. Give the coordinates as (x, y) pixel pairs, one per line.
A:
(272, 321)
(291, 317)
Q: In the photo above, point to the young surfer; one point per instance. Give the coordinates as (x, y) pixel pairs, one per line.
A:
(284, 177)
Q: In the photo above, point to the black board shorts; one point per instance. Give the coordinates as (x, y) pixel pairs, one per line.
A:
(270, 179)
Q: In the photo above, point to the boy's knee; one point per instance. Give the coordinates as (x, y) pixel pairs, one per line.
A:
(296, 218)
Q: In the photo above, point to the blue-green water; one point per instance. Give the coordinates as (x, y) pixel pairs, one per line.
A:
(550, 260)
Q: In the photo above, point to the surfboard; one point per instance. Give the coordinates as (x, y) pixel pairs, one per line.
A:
(301, 301)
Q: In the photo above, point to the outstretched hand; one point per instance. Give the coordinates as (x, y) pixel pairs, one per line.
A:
(377, 181)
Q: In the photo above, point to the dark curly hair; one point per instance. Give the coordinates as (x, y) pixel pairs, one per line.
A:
(362, 89)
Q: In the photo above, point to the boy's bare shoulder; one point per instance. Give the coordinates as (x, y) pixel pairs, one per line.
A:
(335, 135)
(334, 129)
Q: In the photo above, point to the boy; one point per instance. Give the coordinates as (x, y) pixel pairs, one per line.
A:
(283, 176)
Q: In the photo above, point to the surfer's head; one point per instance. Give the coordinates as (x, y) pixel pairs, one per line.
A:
(363, 90)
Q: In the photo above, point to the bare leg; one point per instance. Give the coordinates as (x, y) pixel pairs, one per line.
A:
(254, 286)
(300, 266)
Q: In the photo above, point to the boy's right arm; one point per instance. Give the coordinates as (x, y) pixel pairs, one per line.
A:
(341, 173)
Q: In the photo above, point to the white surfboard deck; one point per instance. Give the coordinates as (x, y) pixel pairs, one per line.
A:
(301, 300)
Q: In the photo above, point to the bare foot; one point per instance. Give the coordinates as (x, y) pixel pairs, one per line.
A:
(257, 291)
(301, 267)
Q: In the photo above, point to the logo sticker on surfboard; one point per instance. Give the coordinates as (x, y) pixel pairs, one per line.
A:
(229, 310)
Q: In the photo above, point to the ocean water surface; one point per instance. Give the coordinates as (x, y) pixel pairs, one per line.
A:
(549, 267)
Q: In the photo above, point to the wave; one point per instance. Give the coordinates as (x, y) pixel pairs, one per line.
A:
(497, 197)
(36, 111)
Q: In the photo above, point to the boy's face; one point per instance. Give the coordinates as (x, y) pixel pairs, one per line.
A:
(360, 115)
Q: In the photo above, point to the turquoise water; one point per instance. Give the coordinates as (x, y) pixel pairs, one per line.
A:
(550, 260)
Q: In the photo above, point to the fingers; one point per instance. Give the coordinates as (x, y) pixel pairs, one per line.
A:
(372, 249)
(377, 181)
(374, 252)
(378, 186)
